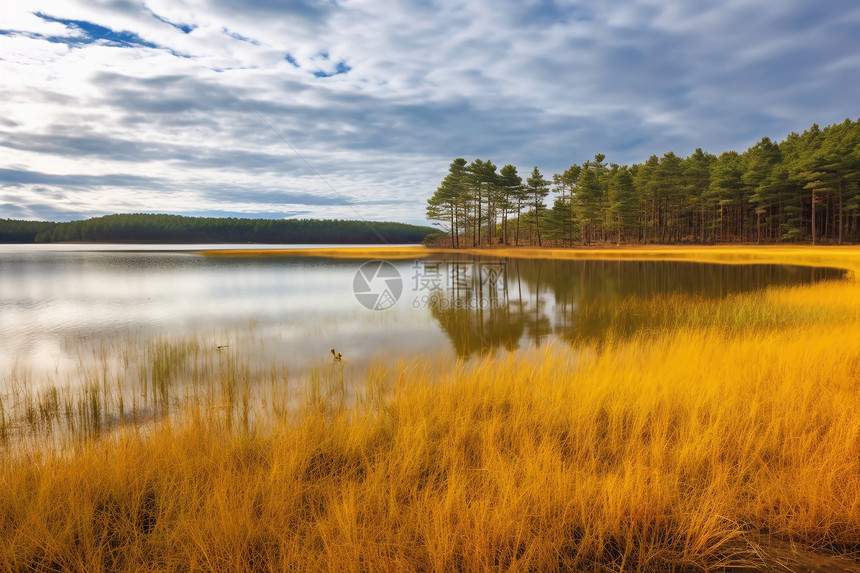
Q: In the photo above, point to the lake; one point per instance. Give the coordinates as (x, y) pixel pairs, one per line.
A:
(57, 302)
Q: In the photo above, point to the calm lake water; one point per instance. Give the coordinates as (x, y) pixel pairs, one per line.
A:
(56, 300)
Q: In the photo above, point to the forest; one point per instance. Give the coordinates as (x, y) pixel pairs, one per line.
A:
(150, 228)
(805, 189)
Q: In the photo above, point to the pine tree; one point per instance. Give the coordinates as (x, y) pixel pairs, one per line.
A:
(623, 202)
(538, 188)
(514, 197)
(445, 202)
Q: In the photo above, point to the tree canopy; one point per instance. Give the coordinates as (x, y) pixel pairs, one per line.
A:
(803, 189)
(148, 228)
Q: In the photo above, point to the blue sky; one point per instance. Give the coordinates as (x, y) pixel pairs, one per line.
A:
(354, 108)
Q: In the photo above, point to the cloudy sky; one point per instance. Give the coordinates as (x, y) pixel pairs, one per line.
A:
(354, 108)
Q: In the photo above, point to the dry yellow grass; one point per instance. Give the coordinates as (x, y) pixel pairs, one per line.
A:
(714, 432)
(847, 257)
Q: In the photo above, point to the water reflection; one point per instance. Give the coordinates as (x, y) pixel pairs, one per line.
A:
(488, 307)
(296, 309)
(530, 301)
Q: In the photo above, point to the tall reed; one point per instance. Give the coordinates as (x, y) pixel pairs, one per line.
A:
(696, 434)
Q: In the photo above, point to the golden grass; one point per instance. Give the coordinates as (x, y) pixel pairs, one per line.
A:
(717, 432)
(847, 257)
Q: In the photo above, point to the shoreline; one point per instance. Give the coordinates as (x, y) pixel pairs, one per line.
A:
(841, 257)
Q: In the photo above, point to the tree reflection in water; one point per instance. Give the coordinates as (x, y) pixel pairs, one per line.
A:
(485, 303)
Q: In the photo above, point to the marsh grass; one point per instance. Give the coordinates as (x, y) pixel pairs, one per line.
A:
(695, 434)
(787, 307)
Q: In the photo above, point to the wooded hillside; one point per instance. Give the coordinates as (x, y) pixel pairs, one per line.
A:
(146, 228)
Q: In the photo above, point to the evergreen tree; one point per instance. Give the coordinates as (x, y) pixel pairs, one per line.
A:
(514, 197)
(804, 188)
(590, 199)
(483, 178)
(623, 203)
(697, 178)
(445, 203)
(729, 189)
(538, 188)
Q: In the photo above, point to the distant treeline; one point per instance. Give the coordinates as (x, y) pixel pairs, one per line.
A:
(146, 228)
(803, 189)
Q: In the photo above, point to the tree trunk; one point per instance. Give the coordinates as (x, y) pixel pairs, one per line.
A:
(480, 199)
(840, 212)
(517, 234)
(537, 224)
(813, 217)
(505, 226)
(758, 227)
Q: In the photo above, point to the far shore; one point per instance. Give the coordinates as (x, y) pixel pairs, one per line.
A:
(844, 257)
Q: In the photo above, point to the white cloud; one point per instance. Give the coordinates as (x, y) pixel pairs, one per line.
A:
(537, 82)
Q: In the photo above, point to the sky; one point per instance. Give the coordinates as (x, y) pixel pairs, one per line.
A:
(354, 109)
